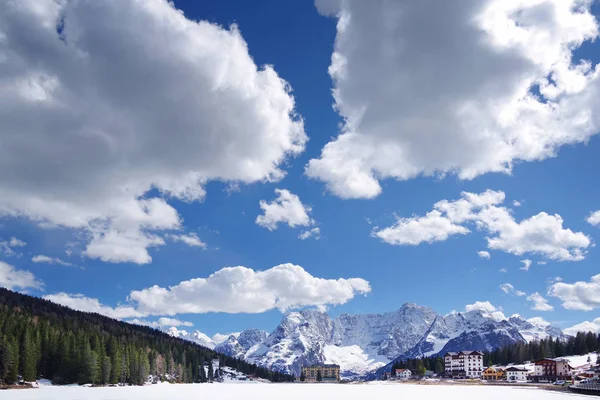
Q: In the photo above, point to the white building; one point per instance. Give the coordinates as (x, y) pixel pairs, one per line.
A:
(403, 373)
(514, 374)
(468, 364)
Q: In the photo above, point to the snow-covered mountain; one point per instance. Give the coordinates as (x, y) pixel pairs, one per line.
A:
(242, 344)
(362, 343)
(195, 336)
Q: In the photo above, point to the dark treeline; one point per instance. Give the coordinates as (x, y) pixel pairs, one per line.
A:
(420, 365)
(517, 353)
(580, 344)
(40, 339)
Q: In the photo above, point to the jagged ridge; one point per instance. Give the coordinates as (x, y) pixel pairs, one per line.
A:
(362, 343)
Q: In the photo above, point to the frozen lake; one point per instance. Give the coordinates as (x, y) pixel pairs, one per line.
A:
(287, 391)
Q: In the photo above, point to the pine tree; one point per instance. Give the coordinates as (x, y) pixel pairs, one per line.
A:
(420, 367)
(302, 377)
(210, 372)
(319, 376)
(11, 361)
(439, 367)
(29, 356)
(106, 370)
(144, 367)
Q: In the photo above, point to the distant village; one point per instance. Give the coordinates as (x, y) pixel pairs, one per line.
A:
(469, 365)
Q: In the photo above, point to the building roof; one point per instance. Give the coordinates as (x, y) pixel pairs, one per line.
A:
(464, 353)
(493, 369)
(322, 366)
(402, 370)
(515, 369)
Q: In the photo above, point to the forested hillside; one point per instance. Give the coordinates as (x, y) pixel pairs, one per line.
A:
(580, 344)
(40, 339)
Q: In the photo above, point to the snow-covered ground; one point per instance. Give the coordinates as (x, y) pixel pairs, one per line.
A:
(286, 391)
(352, 359)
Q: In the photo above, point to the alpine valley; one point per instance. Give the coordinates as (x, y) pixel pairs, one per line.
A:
(364, 343)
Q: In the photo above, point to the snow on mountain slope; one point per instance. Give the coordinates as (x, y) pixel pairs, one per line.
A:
(387, 334)
(362, 343)
(239, 345)
(195, 336)
(299, 340)
(535, 328)
(353, 361)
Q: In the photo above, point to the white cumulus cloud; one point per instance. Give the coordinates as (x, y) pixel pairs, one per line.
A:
(594, 218)
(433, 227)
(510, 289)
(7, 247)
(13, 278)
(526, 265)
(586, 326)
(191, 239)
(40, 258)
(310, 233)
(495, 312)
(579, 295)
(539, 303)
(160, 323)
(88, 304)
(130, 96)
(430, 88)
(541, 234)
(484, 254)
(243, 290)
(286, 209)
(481, 305)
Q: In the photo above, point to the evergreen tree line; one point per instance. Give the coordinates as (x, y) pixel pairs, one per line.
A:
(517, 353)
(41, 339)
(420, 365)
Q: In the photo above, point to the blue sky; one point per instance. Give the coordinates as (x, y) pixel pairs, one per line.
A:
(297, 41)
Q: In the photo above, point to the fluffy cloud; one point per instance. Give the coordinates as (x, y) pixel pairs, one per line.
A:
(7, 247)
(526, 265)
(160, 323)
(87, 304)
(510, 289)
(433, 227)
(541, 234)
(481, 305)
(286, 209)
(586, 326)
(539, 303)
(431, 88)
(12, 278)
(49, 260)
(190, 239)
(484, 254)
(243, 290)
(310, 233)
(539, 321)
(176, 104)
(579, 295)
(594, 218)
(488, 307)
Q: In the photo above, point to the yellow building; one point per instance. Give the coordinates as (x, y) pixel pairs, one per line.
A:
(328, 372)
(494, 374)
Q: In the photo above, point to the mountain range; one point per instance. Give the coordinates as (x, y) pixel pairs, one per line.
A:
(363, 343)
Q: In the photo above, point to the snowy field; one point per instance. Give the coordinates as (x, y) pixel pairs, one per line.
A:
(238, 391)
